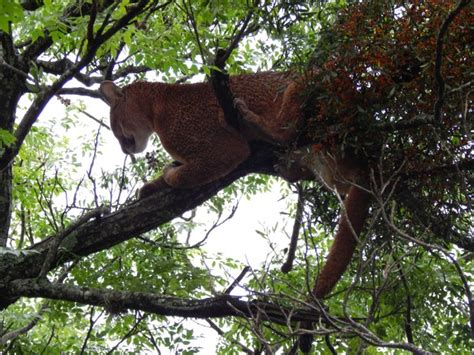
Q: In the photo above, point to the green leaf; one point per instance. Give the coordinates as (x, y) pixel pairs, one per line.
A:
(6, 138)
(10, 12)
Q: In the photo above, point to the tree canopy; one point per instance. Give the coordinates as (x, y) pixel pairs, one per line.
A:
(87, 267)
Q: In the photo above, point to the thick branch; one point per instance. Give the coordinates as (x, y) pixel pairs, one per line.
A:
(213, 307)
(128, 222)
(118, 301)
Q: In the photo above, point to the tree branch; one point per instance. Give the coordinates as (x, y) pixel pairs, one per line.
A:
(23, 330)
(119, 301)
(212, 307)
(80, 92)
(60, 66)
(220, 79)
(288, 265)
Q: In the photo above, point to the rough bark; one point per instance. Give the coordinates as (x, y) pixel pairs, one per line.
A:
(118, 301)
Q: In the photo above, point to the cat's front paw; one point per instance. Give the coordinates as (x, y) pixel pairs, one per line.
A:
(240, 105)
(151, 187)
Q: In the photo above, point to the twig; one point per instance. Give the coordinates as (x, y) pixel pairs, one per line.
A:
(463, 278)
(152, 340)
(222, 334)
(92, 322)
(216, 225)
(138, 321)
(67, 102)
(237, 280)
(467, 290)
(372, 339)
(51, 255)
(408, 320)
(53, 330)
(199, 243)
(23, 330)
(91, 166)
(190, 14)
(100, 122)
(288, 265)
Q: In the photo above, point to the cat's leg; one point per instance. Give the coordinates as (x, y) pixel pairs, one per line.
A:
(208, 163)
(284, 127)
(205, 168)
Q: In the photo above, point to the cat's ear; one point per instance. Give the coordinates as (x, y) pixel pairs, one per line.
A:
(110, 92)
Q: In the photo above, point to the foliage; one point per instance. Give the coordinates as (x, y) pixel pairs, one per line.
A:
(377, 82)
(377, 67)
(11, 12)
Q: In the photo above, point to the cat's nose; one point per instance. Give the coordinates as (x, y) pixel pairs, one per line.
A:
(128, 145)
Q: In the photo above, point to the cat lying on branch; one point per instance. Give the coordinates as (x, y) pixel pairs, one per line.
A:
(193, 130)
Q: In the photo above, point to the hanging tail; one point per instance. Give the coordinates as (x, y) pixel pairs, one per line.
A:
(340, 255)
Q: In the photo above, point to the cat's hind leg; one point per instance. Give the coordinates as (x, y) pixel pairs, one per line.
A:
(283, 127)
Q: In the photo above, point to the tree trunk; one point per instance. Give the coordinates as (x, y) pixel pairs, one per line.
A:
(5, 204)
(13, 84)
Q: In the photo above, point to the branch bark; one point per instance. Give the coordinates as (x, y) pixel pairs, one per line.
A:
(119, 301)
